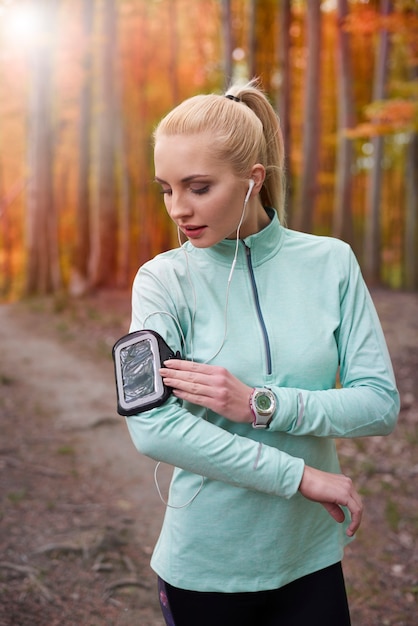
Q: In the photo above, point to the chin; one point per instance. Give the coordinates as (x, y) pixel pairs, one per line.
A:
(200, 244)
(205, 242)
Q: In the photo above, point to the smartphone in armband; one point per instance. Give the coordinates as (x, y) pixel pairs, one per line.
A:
(137, 358)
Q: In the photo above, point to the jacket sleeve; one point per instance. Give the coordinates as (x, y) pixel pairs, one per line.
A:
(368, 401)
(174, 435)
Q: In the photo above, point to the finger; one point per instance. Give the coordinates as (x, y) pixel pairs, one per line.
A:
(356, 510)
(187, 381)
(183, 365)
(338, 514)
(185, 370)
(354, 525)
(180, 372)
(172, 374)
(335, 511)
(193, 388)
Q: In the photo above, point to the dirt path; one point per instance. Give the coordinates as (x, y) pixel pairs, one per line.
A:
(78, 391)
(69, 465)
(79, 509)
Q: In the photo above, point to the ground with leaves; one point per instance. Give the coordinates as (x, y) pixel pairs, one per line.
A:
(79, 511)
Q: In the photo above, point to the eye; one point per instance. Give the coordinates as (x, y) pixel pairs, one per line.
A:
(166, 192)
(201, 190)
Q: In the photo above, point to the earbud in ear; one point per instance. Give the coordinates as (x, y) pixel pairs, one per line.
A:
(251, 184)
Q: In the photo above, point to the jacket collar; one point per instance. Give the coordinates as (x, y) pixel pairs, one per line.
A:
(263, 245)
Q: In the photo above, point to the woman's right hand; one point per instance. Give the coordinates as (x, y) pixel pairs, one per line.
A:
(333, 491)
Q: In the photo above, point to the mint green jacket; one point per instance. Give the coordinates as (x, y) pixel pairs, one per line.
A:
(297, 316)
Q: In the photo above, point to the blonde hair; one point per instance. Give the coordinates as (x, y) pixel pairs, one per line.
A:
(247, 132)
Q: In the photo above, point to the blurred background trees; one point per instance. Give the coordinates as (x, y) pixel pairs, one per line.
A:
(83, 83)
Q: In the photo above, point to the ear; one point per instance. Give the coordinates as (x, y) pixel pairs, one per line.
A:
(258, 174)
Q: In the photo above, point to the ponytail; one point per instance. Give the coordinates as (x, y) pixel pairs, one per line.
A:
(274, 188)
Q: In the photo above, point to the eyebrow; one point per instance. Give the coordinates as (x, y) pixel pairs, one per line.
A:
(186, 179)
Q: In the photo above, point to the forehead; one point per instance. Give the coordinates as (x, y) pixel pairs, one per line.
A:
(176, 155)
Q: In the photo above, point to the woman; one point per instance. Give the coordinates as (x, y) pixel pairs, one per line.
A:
(265, 318)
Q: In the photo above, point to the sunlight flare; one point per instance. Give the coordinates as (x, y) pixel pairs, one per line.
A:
(21, 24)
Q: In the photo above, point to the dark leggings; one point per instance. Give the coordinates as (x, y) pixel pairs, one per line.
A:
(318, 599)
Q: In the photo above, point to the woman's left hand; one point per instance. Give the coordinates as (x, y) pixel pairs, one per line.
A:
(333, 491)
(210, 386)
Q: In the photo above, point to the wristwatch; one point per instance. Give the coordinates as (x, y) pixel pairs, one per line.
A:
(262, 404)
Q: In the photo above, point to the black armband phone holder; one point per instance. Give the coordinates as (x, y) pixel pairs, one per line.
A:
(138, 357)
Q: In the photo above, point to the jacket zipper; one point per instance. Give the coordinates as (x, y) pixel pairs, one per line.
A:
(258, 310)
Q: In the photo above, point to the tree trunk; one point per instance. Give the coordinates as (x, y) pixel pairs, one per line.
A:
(311, 149)
(43, 269)
(283, 95)
(227, 41)
(343, 225)
(5, 247)
(124, 188)
(173, 64)
(252, 38)
(411, 217)
(147, 220)
(372, 235)
(80, 257)
(6, 234)
(104, 215)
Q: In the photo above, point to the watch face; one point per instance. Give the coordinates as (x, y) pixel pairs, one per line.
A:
(263, 403)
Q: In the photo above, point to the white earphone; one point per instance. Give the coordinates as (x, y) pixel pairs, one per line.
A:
(250, 188)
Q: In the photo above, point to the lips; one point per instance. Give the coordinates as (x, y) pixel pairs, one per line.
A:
(192, 232)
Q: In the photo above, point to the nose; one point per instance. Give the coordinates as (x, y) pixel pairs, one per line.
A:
(178, 207)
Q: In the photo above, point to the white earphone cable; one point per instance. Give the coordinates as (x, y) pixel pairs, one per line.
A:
(251, 185)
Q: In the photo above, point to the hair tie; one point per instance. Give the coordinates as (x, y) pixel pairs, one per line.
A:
(234, 98)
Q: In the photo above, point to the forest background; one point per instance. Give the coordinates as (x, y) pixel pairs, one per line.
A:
(83, 83)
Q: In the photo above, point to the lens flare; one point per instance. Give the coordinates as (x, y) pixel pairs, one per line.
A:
(21, 24)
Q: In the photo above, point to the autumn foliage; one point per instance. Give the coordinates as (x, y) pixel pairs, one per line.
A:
(83, 82)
